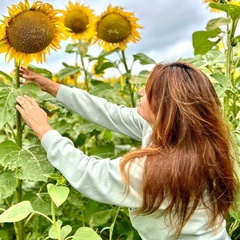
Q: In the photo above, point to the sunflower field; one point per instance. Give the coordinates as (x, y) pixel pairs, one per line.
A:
(36, 201)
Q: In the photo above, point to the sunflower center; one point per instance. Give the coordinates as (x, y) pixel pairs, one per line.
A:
(114, 28)
(76, 20)
(30, 32)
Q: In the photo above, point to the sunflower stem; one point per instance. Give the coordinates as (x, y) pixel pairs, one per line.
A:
(229, 64)
(113, 224)
(129, 85)
(83, 67)
(85, 73)
(54, 221)
(19, 225)
(82, 212)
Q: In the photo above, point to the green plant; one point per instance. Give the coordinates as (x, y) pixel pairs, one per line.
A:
(217, 54)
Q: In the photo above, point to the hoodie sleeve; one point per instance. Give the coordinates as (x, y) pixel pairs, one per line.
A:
(97, 178)
(97, 110)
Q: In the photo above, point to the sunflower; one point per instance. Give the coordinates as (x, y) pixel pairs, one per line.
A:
(77, 17)
(211, 1)
(115, 28)
(222, 1)
(29, 32)
(235, 2)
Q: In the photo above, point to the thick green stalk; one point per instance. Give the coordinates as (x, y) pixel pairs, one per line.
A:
(229, 66)
(19, 225)
(82, 52)
(85, 73)
(129, 85)
(18, 116)
(229, 63)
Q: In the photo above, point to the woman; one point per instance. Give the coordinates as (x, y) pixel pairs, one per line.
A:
(181, 184)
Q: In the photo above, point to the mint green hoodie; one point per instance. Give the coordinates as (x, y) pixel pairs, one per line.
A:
(100, 179)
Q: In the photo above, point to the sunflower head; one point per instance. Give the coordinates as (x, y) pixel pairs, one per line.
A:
(235, 2)
(76, 18)
(115, 28)
(220, 1)
(29, 32)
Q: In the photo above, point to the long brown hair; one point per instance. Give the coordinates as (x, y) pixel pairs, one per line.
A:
(190, 152)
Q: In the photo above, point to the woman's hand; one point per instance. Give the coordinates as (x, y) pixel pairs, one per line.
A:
(33, 115)
(44, 83)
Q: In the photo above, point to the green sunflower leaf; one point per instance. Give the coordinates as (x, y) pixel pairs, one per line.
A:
(6, 76)
(221, 79)
(7, 104)
(102, 66)
(8, 97)
(2, 84)
(42, 71)
(7, 185)
(144, 59)
(202, 40)
(217, 22)
(68, 71)
(52, 231)
(232, 10)
(30, 89)
(17, 212)
(30, 164)
(86, 233)
(101, 217)
(58, 194)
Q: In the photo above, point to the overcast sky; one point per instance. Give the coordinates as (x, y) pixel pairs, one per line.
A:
(166, 35)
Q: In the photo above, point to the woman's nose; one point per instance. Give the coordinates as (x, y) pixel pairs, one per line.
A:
(141, 92)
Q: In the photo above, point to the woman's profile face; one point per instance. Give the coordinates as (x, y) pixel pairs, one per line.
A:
(143, 108)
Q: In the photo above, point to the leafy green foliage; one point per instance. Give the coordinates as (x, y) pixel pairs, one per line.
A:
(67, 71)
(202, 40)
(63, 231)
(29, 164)
(86, 233)
(8, 97)
(7, 185)
(16, 212)
(222, 66)
(44, 72)
(217, 22)
(58, 194)
(231, 9)
(143, 58)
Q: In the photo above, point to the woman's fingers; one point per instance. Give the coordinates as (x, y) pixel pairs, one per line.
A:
(23, 70)
(27, 106)
(30, 100)
(33, 115)
(25, 101)
(30, 110)
(27, 74)
(24, 106)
